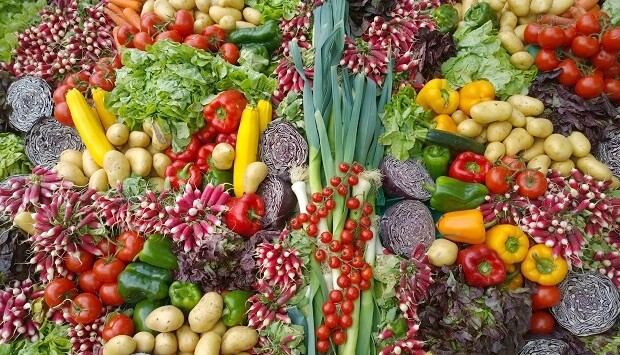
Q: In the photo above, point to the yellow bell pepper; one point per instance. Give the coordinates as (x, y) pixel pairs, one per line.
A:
(474, 93)
(542, 267)
(106, 117)
(445, 123)
(438, 96)
(509, 242)
(265, 111)
(462, 226)
(246, 151)
(514, 278)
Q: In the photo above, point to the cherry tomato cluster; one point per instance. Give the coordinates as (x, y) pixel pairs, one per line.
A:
(180, 29)
(545, 297)
(587, 53)
(345, 253)
(511, 172)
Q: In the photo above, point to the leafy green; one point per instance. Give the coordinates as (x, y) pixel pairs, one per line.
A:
(13, 160)
(16, 15)
(170, 83)
(277, 333)
(254, 57)
(481, 56)
(406, 124)
(53, 340)
(612, 8)
(274, 9)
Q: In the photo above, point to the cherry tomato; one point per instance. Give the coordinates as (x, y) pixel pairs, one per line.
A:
(78, 81)
(330, 204)
(322, 346)
(590, 86)
(151, 23)
(353, 203)
(353, 180)
(141, 40)
(183, 23)
(294, 223)
(103, 80)
(358, 262)
(323, 332)
(343, 190)
(588, 24)
(334, 262)
(531, 33)
(611, 40)
(197, 41)
(320, 255)
(346, 321)
(367, 209)
(570, 33)
(347, 253)
(532, 184)
(108, 270)
(229, 53)
(343, 281)
(545, 297)
(335, 246)
(612, 89)
(551, 37)
(336, 296)
(85, 308)
(108, 64)
(347, 307)
(216, 36)
(542, 323)
(171, 35)
(367, 274)
(584, 46)
(326, 237)
(109, 294)
(346, 236)
(343, 167)
(328, 307)
(498, 179)
(339, 337)
(79, 261)
(570, 73)
(364, 285)
(125, 35)
(62, 114)
(352, 293)
(613, 72)
(355, 277)
(107, 247)
(88, 282)
(357, 168)
(130, 244)
(120, 324)
(331, 320)
(513, 163)
(60, 92)
(546, 60)
(604, 59)
(59, 290)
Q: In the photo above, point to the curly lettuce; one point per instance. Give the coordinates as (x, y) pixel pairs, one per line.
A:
(13, 160)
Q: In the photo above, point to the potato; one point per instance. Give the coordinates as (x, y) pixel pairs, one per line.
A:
(159, 139)
(183, 4)
(442, 252)
(559, 7)
(165, 344)
(243, 24)
(458, 116)
(116, 167)
(589, 165)
(508, 19)
(506, 29)
(498, 131)
(517, 140)
(535, 150)
(164, 10)
(148, 6)
(528, 106)
(494, 151)
(540, 6)
(469, 128)
(223, 156)
(238, 339)
(209, 344)
(510, 42)
(207, 312)
(581, 144)
(490, 111)
(219, 328)
(72, 156)
(227, 23)
(558, 147)
(165, 319)
(539, 127)
(520, 7)
(235, 4)
(251, 15)
(152, 150)
(459, 9)
(145, 342)
(217, 12)
(540, 163)
(99, 181)
(139, 139)
(482, 137)
(520, 32)
(88, 164)
(201, 24)
(157, 184)
(203, 5)
(522, 60)
(526, 20)
(70, 172)
(160, 162)
(563, 167)
(496, 5)
(517, 119)
(199, 15)
(186, 338)
(140, 160)
(24, 221)
(120, 345)
(117, 134)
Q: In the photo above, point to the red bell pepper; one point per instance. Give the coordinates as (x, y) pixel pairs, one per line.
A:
(227, 138)
(188, 155)
(244, 214)
(180, 173)
(203, 160)
(224, 112)
(206, 134)
(470, 167)
(482, 266)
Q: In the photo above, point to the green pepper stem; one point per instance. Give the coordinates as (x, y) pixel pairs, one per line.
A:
(512, 245)
(485, 268)
(543, 265)
(429, 188)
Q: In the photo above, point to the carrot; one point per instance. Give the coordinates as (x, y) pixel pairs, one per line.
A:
(132, 17)
(595, 9)
(550, 19)
(114, 17)
(117, 10)
(586, 4)
(132, 4)
(115, 36)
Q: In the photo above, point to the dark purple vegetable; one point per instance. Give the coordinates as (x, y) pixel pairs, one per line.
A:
(279, 202)
(544, 347)
(31, 100)
(590, 303)
(47, 139)
(608, 151)
(405, 225)
(14, 255)
(432, 48)
(405, 179)
(281, 147)
(5, 108)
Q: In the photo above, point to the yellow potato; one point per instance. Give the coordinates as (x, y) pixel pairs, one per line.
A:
(160, 162)
(117, 134)
(145, 342)
(88, 164)
(140, 161)
(116, 167)
(508, 19)
(539, 127)
(209, 344)
(511, 43)
(563, 167)
(591, 166)
(529, 106)
(165, 344)
(522, 60)
(206, 313)
(138, 139)
(498, 131)
(469, 128)
(238, 339)
(495, 151)
(540, 163)
(558, 147)
(217, 12)
(458, 116)
(165, 319)
(520, 7)
(99, 181)
(491, 111)
(72, 156)
(517, 140)
(70, 172)
(120, 345)
(581, 144)
(186, 338)
(538, 148)
(517, 119)
(228, 23)
(540, 6)
(251, 15)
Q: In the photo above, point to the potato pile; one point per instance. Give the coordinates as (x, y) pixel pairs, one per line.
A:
(139, 152)
(203, 333)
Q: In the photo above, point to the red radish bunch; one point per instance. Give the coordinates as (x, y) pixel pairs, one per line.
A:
(289, 79)
(86, 339)
(261, 314)
(113, 208)
(16, 305)
(146, 215)
(609, 265)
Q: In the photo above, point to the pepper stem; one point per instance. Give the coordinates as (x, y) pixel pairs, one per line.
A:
(543, 265)
(184, 174)
(429, 188)
(473, 167)
(485, 268)
(512, 244)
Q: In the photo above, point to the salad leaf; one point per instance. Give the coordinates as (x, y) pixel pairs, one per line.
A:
(13, 160)
(282, 334)
(612, 8)
(254, 57)
(53, 340)
(274, 9)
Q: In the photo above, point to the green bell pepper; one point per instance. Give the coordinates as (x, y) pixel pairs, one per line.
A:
(437, 160)
(141, 311)
(446, 18)
(235, 307)
(217, 177)
(455, 195)
(267, 34)
(184, 295)
(157, 251)
(141, 280)
(481, 13)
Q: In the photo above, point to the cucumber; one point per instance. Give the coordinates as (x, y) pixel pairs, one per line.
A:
(454, 142)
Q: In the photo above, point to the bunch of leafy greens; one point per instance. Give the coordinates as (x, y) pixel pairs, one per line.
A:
(460, 319)
(170, 83)
(16, 15)
(481, 56)
(13, 160)
(283, 336)
(53, 340)
(406, 124)
(612, 8)
(274, 9)
(387, 275)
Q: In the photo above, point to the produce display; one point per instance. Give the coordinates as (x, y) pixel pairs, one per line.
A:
(294, 177)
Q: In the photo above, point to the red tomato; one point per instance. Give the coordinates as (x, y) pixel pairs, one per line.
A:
(59, 290)
(60, 92)
(215, 35)
(546, 60)
(551, 37)
(347, 307)
(513, 163)
(183, 23)
(108, 64)
(611, 39)
(107, 247)
(323, 332)
(150, 23)
(109, 294)
(542, 323)
(63, 115)
(171, 35)
(590, 86)
(331, 320)
(322, 346)
(498, 180)
(102, 80)
(229, 53)
(125, 35)
(588, 24)
(79, 261)
(86, 308)
(570, 33)
(141, 40)
(570, 73)
(108, 270)
(197, 41)
(120, 324)
(339, 337)
(78, 81)
(604, 59)
(532, 184)
(531, 33)
(584, 46)
(88, 282)
(130, 244)
(545, 297)
(613, 72)
(612, 89)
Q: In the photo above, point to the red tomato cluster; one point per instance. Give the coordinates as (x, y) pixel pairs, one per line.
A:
(546, 296)
(587, 53)
(530, 183)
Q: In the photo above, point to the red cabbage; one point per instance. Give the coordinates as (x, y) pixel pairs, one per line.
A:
(279, 202)
(281, 147)
(31, 99)
(544, 347)
(405, 225)
(405, 179)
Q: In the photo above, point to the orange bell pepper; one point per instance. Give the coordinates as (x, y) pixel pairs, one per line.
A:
(463, 226)
(445, 123)
(474, 93)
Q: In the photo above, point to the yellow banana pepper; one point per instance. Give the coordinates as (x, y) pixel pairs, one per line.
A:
(106, 117)
(445, 123)
(436, 95)
(264, 114)
(246, 151)
(474, 93)
(542, 267)
(509, 242)
(514, 278)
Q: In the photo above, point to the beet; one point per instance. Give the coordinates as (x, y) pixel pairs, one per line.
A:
(405, 225)
(405, 179)
(279, 201)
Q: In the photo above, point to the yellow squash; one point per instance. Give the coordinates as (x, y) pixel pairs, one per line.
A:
(264, 114)
(106, 117)
(246, 151)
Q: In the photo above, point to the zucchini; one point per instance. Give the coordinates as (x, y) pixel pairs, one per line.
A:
(454, 141)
